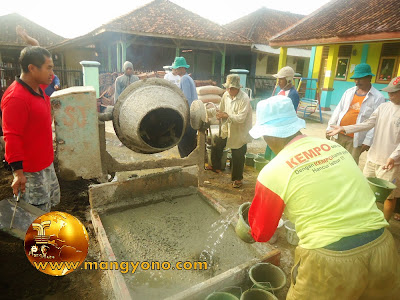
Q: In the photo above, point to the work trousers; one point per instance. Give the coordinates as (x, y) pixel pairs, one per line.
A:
(237, 161)
(188, 142)
(368, 272)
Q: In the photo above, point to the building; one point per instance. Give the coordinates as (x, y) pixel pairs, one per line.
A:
(344, 33)
(152, 35)
(11, 45)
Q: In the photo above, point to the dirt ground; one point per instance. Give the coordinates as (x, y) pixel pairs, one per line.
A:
(19, 280)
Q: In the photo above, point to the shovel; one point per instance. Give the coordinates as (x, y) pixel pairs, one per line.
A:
(15, 209)
(16, 216)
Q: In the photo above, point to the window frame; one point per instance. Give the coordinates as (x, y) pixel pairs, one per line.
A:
(347, 67)
(394, 71)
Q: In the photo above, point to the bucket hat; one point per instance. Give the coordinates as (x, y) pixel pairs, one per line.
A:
(180, 62)
(393, 86)
(285, 72)
(362, 70)
(276, 117)
(232, 80)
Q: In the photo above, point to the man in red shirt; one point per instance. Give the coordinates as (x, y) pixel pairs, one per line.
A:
(27, 130)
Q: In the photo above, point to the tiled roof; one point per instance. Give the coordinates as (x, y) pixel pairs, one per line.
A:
(263, 23)
(166, 19)
(8, 35)
(345, 20)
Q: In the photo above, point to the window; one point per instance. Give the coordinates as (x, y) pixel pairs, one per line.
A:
(343, 62)
(272, 64)
(388, 63)
(341, 68)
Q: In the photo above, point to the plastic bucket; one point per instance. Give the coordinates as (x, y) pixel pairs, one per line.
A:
(249, 159)
(257, 294)
(291, 235)
(221, 296)
(242, 228)
(223, 158)
(273, 239)
(260, 155)
(381, 188)
(268, 277)
(260, 163)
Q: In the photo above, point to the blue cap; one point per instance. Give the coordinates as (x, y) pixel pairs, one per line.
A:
(276, 117)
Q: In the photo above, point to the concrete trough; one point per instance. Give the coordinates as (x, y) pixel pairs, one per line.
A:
(165, 217)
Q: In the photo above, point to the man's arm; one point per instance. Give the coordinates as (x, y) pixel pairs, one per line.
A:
(25, 37)
(56, 82)
(265, 212)
(335, 115)
(15, 118)
(366, 125)
(370, 134)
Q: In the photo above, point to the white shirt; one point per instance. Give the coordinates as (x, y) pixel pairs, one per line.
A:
(370, 103)
(386, 120)
(173, 78)
(236, 128)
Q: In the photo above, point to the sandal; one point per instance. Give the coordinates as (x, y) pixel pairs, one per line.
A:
(237, 184)
(396, 217)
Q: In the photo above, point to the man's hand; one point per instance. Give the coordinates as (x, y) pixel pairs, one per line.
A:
(389, 164)
(222, 115)
(328, 137)
(56, 87)
(364, 148)
(18, 182)
(336, 129)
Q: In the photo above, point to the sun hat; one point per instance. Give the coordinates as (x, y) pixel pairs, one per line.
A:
(276, 117)
(362, 70)
(285, 72)
(232, 80)
(180, 62)
(393, 86)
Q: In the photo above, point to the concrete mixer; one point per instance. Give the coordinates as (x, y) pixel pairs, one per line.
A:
(149, 117)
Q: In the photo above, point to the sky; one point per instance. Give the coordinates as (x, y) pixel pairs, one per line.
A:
(72, 18)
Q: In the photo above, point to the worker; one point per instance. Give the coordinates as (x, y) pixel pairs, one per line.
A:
(383, 159)
(236, 115)
(344, 250)
(189, 140)
(356, 105)
(123, 81)
(27, 130)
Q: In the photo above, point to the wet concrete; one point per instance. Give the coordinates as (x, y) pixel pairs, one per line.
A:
(170, 231)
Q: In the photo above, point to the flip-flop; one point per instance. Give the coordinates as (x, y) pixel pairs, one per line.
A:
(237, 185)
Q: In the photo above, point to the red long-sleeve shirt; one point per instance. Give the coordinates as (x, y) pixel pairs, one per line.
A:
(27, 127)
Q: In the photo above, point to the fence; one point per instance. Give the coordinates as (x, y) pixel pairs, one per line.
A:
(68, 77)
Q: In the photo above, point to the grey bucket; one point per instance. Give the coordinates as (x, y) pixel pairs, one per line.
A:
(151, 115)
(249, 159)
(221, 296)
(268, 277)
(257, 294)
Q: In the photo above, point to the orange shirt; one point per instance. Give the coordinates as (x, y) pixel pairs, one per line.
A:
(350, 118)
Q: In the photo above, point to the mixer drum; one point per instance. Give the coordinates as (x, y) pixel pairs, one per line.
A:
(150, 116)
